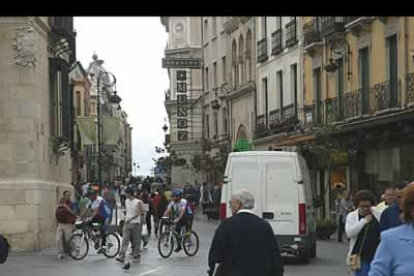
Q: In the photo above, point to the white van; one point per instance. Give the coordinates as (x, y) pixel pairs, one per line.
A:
(282, 190)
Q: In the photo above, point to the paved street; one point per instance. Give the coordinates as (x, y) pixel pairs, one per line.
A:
(330, 261)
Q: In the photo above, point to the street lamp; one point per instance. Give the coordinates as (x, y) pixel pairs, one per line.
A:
(115, 99)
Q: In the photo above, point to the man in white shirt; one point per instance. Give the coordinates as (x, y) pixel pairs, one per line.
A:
(132, 227)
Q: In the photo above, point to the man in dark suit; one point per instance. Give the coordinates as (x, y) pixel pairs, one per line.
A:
(245, 244)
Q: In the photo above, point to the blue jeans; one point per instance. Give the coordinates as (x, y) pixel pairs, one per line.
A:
(365, 266)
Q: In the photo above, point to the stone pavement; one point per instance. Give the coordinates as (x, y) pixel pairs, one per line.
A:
(330, 261)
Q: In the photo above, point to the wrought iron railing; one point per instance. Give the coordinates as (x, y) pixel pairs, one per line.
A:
(386, 95)
(291, 33)
(312, 31)
(334, 110)
(312, 115)
(352, 104)
(409, 88)
(277, 42)
(332, 24)
(262, 50)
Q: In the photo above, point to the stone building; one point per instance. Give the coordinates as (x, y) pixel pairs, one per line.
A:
(35, 126)
(185, 140)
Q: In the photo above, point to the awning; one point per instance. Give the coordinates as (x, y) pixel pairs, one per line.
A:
(242, 145)
(295, 140)
(88, 130)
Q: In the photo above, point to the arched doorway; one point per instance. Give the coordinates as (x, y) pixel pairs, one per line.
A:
(242, 143)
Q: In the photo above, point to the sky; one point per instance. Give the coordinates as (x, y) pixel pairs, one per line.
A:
(132, 49)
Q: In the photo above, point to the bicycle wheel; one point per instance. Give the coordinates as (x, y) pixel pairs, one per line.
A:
(78, 246)
(166, 244)
(191, 244)
(113, 245)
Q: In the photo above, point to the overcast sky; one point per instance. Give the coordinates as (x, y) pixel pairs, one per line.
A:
(132, 48)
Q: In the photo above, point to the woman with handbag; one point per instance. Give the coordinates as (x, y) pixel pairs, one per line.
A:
(363, 229)
(395, 254)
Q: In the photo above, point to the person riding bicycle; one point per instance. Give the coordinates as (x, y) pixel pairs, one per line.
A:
(182, 214)
(101, 214)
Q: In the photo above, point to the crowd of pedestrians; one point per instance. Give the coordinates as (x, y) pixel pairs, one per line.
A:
(373, 229)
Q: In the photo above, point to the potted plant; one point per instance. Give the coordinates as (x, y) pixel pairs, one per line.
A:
(325, 228)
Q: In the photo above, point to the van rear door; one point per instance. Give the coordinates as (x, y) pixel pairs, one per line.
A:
(245, 173)
(280, 195)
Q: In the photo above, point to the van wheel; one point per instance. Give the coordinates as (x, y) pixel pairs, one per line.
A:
(313, 251)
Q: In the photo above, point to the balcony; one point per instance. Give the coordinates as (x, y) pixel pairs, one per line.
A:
(312, 115)
(334, 108)
(277, 42)
(332, 24)
(62, 27)
(387, 96)
(358, 24)
(276, 125)
(291, 33)
(409, 96)
(262, 50)
(312, 32)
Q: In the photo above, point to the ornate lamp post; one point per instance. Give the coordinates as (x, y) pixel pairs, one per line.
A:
(115, 99)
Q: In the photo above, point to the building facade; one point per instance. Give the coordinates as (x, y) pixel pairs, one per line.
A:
(36, 126)
(186, 138)
(278, 73)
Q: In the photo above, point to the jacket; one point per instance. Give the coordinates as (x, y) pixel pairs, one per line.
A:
(245, 245)
(390, 218)
(395, 254)
(354, 225)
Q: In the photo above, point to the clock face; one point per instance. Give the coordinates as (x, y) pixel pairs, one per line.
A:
(179, 29)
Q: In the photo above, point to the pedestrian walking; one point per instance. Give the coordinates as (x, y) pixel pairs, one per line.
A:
(389, 198)
(362, 227)
(390, 217)
(132, 228)
(205, 197)
(123, 195)
(244, 244)
(148, 210)
(109, 197)
(85, 189)
(395, 253)
(66, 217)
(156, 203)
(83, 205)
(345, 207)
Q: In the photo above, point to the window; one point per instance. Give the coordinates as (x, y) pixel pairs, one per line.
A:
(393, 70)
(317, 82)
(78, 103)
(207, 80)
(280, 90)
(93, 109)
(61, 100)
(294, 86)
(225, 120)
(364, 79)
(263, 31)
(224, 69)
(214, 22)
(215, 75)
(340, 87)
(265, 97)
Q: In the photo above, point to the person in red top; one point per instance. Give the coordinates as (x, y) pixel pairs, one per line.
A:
(66, 216)
(157, 213)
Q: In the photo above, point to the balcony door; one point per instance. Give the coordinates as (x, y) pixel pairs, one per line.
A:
(317, 80)
(364, 61)
(393, 63)
(340, 88)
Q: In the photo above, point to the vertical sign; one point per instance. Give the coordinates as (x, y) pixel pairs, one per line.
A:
(182, 113)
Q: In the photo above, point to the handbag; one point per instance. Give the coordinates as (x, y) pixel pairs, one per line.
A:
(355, 259)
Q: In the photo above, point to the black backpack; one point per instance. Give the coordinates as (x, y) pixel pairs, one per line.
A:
(4, 249)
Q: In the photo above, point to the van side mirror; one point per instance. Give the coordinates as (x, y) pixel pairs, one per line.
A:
(226, 180)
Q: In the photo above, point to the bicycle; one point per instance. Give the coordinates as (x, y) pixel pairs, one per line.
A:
(166, 239)
(85, 232)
